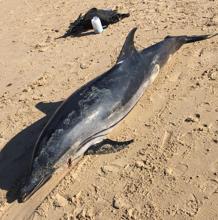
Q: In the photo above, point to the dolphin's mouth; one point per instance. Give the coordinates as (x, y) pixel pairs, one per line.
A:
(24, 195)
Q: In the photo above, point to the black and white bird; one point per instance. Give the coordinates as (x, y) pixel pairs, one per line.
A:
(83, 22)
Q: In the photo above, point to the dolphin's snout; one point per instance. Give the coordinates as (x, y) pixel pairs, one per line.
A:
(30, 188)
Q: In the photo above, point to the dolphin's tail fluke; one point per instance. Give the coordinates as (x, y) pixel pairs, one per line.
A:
(191, 39)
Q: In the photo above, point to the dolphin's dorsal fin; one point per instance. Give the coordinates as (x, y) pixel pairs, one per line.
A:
(128, 47)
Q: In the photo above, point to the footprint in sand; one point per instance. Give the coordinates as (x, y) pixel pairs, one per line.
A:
(191, 206)
(180, 169)
(210, 187)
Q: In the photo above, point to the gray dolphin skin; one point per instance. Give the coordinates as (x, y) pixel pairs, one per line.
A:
(89, 114)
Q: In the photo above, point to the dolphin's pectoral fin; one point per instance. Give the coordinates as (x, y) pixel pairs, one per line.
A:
(128, 47)
(108, 146)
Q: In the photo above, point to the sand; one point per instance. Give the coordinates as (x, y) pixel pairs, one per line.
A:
(171, 169)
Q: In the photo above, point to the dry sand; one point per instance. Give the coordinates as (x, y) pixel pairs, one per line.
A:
(171, 170)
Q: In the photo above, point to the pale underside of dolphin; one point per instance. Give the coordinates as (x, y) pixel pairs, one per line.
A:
(89, 114)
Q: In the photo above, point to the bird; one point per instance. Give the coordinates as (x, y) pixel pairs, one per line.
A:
(83, 22)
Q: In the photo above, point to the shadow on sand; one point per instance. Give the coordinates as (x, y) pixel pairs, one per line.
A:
(15, 157)
(16, 154)
(88, 33)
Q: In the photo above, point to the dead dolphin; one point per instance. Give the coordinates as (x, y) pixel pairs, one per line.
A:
(87, 116)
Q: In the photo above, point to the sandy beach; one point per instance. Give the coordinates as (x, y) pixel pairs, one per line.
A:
(170, 171)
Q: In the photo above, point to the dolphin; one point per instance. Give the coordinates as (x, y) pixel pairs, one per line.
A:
(90, 113)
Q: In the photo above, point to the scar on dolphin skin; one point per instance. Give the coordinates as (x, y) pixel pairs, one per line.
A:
(155, 72)
(83, 121)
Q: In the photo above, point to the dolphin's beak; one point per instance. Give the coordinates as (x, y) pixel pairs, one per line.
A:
(23, 197)
(28, 190)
